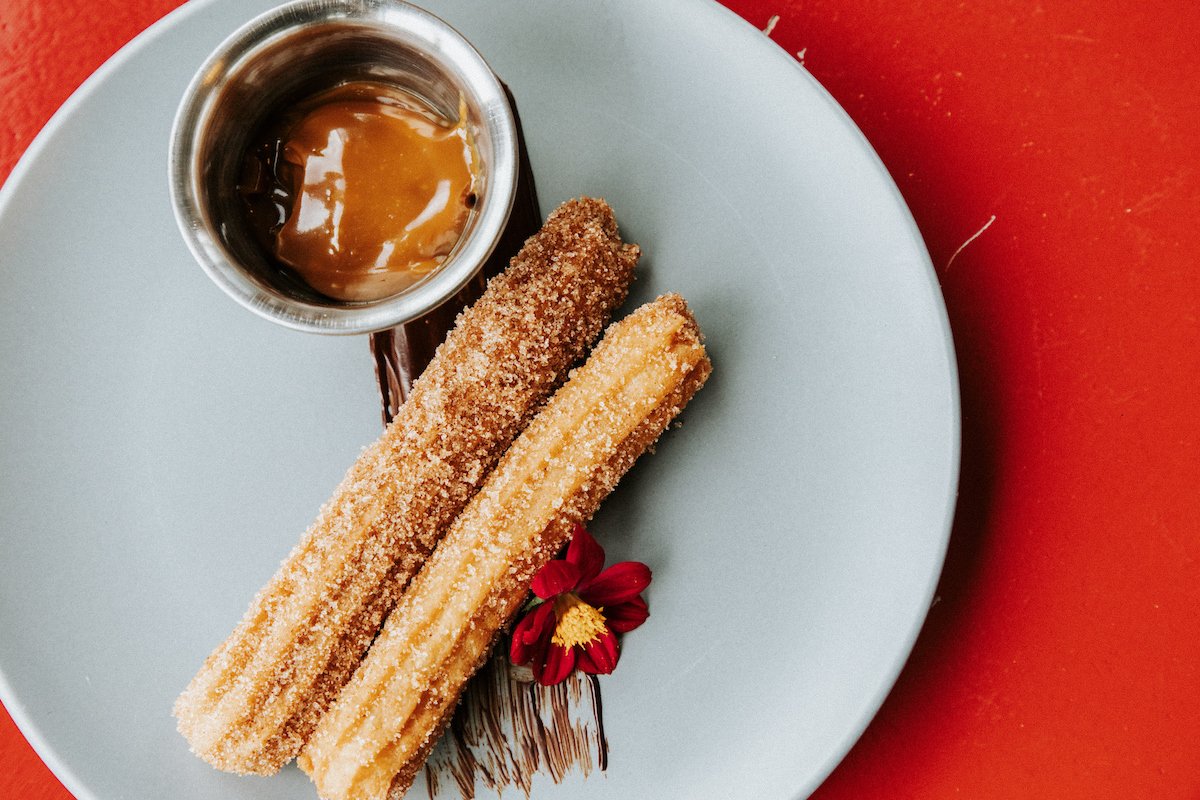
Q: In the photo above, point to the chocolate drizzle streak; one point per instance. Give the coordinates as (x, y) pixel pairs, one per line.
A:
(507, 728)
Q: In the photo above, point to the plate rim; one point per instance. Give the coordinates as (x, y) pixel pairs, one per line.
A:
(874, 703)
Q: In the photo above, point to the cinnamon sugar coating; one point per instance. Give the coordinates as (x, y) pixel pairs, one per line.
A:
(376, 737)
(259, 695)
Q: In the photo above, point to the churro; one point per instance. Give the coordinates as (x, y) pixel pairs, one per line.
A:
(376, 736)
(259, 695)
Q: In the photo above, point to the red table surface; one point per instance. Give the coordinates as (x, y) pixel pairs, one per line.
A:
(1049, 155)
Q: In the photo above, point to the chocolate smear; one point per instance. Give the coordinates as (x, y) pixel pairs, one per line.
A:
(507, 727)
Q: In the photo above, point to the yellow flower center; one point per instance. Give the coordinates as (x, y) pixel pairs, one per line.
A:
(578, 622)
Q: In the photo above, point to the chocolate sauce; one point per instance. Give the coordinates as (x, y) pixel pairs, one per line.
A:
(506, 729)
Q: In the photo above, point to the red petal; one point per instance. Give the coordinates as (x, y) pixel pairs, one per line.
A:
(558, 663)
(586, 553)
(555, 578)
(599, 656)
(624, 617)
(617, 584)
(541, 623)
(534, 627)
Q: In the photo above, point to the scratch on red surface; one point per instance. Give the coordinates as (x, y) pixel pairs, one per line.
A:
(970, 239)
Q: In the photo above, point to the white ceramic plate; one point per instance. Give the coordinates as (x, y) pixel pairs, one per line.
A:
(162, 449)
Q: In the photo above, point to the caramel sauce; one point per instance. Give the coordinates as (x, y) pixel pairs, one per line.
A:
(362, 189)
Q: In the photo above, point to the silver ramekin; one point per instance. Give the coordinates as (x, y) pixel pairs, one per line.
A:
(292, 52)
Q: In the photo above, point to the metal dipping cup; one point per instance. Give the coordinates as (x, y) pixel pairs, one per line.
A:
(293, 52)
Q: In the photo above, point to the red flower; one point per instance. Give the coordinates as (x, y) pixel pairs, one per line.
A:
(579, 612)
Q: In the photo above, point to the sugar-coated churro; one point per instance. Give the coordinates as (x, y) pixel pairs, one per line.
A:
(257, 698)
(375, 737)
